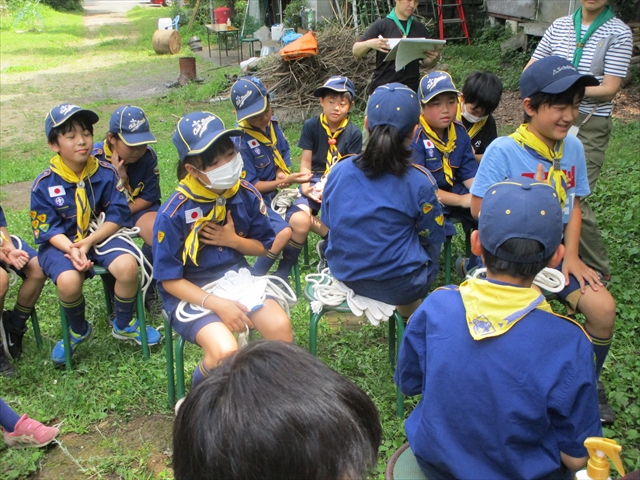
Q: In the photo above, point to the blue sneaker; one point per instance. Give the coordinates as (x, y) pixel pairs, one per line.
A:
(57, 356)
(132, 332)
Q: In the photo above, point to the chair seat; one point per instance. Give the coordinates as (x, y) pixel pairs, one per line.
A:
(310, 295)
(403, 466)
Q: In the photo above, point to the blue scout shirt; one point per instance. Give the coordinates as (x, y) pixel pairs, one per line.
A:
(501, 407)
(173, 224)
(3, 220)
(144, 176)
(53, 205)
(377, 226)
(313, 137)
(258, 160)
(463, 162)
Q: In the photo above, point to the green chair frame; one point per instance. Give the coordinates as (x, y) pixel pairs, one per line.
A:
(175, 381)
(403, 466)
(250, 41)
(396, 322)
(107, 294)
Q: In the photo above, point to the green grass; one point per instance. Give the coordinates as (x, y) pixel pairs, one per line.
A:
(111, 385)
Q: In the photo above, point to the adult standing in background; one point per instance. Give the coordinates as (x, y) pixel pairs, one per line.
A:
(599, 44)
(398, 24)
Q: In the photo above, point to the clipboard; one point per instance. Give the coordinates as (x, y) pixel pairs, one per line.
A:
(406, 50)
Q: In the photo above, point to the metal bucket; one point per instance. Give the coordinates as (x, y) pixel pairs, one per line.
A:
(195, 44)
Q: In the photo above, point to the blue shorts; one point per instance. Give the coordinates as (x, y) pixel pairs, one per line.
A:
(53, 261)
(277, 222)
(25, 247)
(312, 204)
(401, 290)
(136, 216)
(189, 330)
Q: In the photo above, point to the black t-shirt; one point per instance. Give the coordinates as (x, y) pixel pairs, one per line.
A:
(484, 137)
(385, 72)
(314, 138)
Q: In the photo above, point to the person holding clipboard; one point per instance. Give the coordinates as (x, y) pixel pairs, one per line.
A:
(398, 24)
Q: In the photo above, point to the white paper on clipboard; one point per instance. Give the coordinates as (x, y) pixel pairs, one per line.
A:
(406, 50)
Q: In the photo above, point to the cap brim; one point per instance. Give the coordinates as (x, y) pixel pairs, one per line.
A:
(566, 83)
(136, 139)
(252, 110)
(318, 92)
(205, 143)
(89, 114)
(452, 90)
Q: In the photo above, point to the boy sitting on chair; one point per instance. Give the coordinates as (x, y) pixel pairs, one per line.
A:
(508, 387)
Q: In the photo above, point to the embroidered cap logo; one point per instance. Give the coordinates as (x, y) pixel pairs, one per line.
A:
(434, 81)
(200, 126)
(240, 99)
(135, 124)
(64, 109)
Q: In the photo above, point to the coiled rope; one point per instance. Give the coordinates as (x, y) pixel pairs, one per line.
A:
(283, 200)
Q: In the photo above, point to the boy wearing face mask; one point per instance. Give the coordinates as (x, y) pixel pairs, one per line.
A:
(204, 230)
(480, 97)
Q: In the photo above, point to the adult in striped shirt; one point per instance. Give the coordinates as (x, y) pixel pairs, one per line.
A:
(599, 44)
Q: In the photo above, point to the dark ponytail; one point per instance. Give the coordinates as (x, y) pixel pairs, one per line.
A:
(385, 152)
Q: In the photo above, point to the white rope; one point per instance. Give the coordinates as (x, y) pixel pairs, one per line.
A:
(283, 200)
(331, 292)
(126, 235)
(266, 286)
(548, 279)
(13, 276)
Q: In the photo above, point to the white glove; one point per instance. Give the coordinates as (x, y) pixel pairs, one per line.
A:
(242, 287)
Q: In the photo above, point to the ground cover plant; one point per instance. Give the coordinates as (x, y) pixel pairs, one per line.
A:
(113, 406)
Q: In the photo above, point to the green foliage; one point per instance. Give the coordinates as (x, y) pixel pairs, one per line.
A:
(65, 5)
(627, 10)
(292, 12)
(26, 15)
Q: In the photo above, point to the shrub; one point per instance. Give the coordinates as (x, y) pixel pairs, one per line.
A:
(64, 5)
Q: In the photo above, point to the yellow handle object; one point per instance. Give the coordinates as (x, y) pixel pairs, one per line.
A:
(599, 449)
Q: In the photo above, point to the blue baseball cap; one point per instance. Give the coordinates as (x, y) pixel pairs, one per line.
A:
(338, 84)
(197, 131)
(435, 83)
(520, 208)
(552, 75)
(132, 125)
(393, 104)
(60, 114)
(249, 97)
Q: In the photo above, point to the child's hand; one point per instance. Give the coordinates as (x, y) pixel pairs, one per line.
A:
(18, 258)
(79, 258)
(117, 162)
(219, 235)
(298, 177)
(233, 315)
(465, 201)
(574, 266)
(539, 176)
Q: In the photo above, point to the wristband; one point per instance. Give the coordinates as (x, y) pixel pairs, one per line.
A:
(203, 300)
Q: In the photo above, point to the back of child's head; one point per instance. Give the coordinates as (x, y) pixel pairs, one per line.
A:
(393, 112)
(520, 227)
(131, 125)
(249, 97)
(199, 138)
(553, 81)
(434, 84)
(272, 410)
(337, 86)
(483, 90)
(63, 118)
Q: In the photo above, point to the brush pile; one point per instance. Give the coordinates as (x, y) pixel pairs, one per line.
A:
(291, 84)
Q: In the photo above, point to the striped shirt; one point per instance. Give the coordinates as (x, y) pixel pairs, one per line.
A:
(607, 52)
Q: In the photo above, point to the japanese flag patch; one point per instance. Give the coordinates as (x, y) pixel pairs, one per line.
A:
(193, 214)
(57, 191)
(253, 143)
(428, 144)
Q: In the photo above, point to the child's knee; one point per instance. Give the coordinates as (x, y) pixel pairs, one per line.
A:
(124, 268)
(69, 285)
(598, 308)
(300, 222)
(4, 283)
(33, 270)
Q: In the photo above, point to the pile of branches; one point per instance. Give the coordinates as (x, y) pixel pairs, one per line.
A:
(291, 84)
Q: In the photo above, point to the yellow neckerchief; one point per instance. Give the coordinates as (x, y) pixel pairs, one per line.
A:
(2, 239)
(83, 208)
(191, 188)
(127, 190)
(492, 309)
(271, 143)
(444, 148)
(333, 155)
(475, 127)
(556, 177)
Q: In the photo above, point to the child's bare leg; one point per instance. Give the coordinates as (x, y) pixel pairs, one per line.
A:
(217, 341)
(264, 264)
(145, 223)
(599, 310)
(317, 226)
(32, 284)
(4, 287)
(69, 285)
(407, 310)
(125, 270)
(272, 322)
(300, 223)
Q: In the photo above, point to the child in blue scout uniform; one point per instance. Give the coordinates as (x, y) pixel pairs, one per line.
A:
(127, 148)
(325, 139)
(508, 387)
(64, 198)
(480, 97)
(17, 255)
(211, 196)
(267, 163)
(384, 219)
(551, 90)
(442, 145)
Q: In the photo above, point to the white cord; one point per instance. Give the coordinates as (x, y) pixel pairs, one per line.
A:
(283, 200)
(548, 279)
(331, 292)
(126, 235)
(13, 276)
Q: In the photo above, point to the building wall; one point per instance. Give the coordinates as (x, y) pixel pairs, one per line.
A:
(538, 10)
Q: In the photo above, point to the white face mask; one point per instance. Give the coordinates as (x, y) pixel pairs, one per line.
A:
(472, 118)
(225, 176)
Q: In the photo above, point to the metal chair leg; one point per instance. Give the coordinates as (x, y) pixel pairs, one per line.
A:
(66, 339)
(36, 328)
(179, 357)
(447, 261)
(168, 351)
(313, 332)
(143, 323)
(295, 271)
